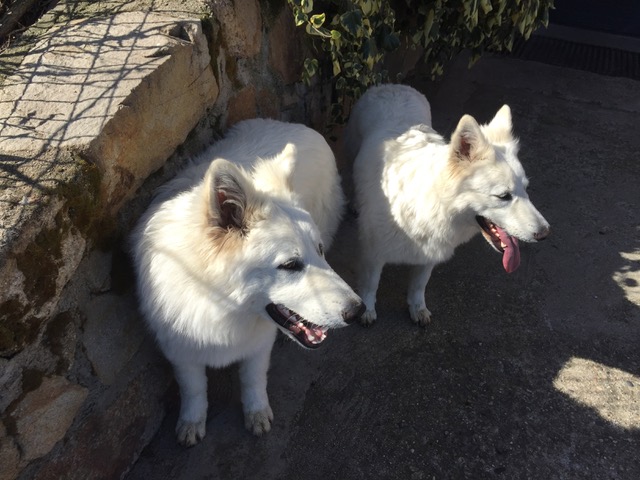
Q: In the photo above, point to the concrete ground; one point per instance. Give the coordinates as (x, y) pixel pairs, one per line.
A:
(530, 375)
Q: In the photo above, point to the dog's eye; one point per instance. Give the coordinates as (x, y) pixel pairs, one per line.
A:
(321, 249)
(505, 196)
(293, 265)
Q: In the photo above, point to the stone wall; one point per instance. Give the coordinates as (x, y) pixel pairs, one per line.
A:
(101, 94)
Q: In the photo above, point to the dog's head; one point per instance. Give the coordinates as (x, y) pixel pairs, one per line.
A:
(273, 257)
(495, 185)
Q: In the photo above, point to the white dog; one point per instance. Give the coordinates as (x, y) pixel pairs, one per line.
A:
(232, 250)
(419, 197)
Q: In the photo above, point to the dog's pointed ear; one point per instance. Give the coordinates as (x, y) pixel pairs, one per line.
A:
(275, 174)
(501, 126)
(467, 141)
(228, 189)
(282, 169)
(288, 156)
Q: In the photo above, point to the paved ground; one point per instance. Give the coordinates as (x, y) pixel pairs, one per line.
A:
(530, 375)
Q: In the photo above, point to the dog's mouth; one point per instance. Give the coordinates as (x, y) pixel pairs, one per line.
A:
(502, 242)
(303, 331)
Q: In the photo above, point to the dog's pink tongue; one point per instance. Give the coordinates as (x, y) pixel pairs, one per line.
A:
(511, 255)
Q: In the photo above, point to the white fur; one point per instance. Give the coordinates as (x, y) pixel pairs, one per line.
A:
(418, 196)
(208, 252)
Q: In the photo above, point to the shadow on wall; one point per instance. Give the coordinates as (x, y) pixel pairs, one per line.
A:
(94, 108)
(95, 86)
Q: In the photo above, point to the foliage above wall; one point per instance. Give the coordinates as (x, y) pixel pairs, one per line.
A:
(356, 34)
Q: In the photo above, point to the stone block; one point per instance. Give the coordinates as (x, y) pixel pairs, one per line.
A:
(37, 258)
(113, 333)
(268, 103)
(9, 455)
(93, 109)
(44, 415)
(241, 26)
(286, 53)
(242, 106)
(110, 439)
(123, 91)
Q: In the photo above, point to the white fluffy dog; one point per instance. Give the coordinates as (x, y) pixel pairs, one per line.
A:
(231, 251)
(420, 197)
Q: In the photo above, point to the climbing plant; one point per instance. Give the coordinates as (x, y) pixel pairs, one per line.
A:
(355, 35)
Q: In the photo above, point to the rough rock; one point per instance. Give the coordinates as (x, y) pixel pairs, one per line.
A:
(113, 333)
(243, 105)
(242, 26)
(123, 91)
(9, 455)
(44, 415)
(285, 48)
(39, 255)
(110, 439)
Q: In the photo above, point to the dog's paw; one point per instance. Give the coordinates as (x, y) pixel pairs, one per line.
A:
(420, 316)
(189, 433)
(259, 422)
(368, 318)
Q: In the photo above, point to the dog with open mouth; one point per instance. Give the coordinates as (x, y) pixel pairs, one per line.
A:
(231, 251)
(419, 197)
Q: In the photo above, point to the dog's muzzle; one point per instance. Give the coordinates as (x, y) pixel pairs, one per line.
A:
(353, 312)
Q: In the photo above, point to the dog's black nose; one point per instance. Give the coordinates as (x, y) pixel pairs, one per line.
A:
(353, 312)
(542, 234)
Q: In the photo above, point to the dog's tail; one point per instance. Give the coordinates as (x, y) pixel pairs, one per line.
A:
(385, 107)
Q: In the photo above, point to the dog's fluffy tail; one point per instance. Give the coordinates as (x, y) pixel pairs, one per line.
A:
(390, 107)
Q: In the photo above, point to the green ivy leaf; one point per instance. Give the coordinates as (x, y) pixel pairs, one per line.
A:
(306, 5)
(311, 66)
(309, 70)
(486, 6)
(369, 53)
(320, 32)
(360, 32)
(390, 42)
(300, 18)
(428, 23)
(352, 22)
(366, 6)
(336, 68)
(318, 20)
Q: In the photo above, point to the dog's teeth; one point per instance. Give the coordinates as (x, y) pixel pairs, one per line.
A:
(295, 329)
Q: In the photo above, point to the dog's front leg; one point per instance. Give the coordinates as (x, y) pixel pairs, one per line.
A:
(192, 380)
(253, 386)
(368, 280)
(418, 279)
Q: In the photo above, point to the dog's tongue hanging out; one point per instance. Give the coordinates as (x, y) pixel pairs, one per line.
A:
(511, 250)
